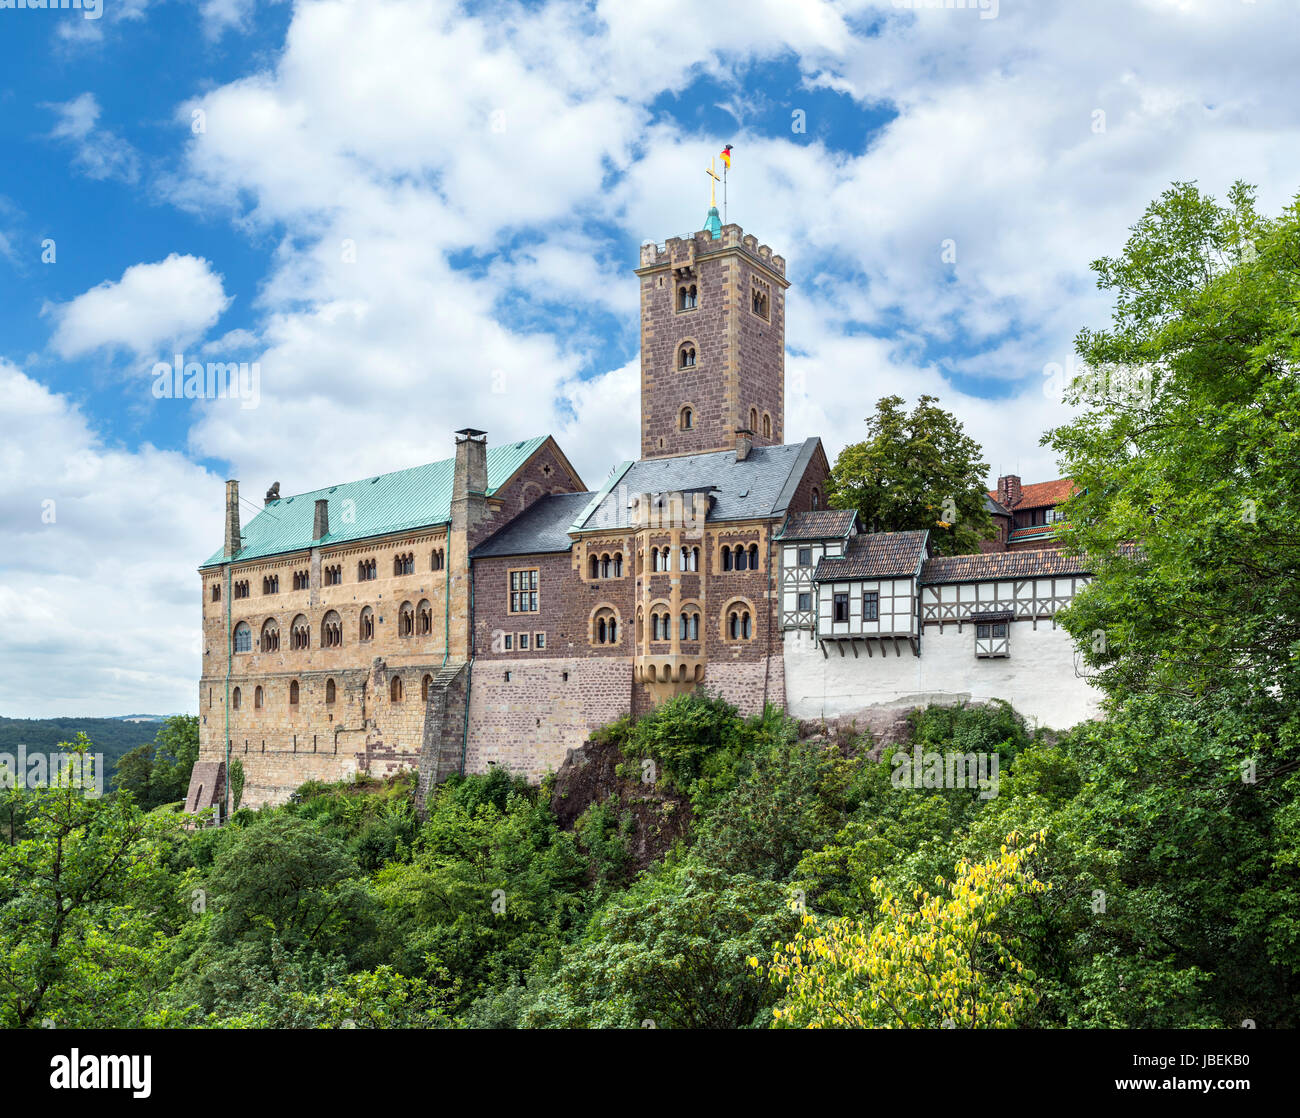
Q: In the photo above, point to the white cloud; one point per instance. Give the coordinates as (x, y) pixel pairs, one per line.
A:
(151, 308)
(99, 152)
(98, 591)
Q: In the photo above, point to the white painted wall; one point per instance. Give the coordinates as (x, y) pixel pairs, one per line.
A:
(1039, 678)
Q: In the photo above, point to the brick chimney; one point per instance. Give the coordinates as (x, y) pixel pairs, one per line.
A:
(320, 525)
(744, 443)
(233, 541)
(469, 484)
(1009, 492)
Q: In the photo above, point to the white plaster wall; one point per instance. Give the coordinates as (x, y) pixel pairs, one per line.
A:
(1039, 677)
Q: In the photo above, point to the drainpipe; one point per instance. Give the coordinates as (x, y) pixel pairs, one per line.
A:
(226, 594)
(767, 663)
(469, 668)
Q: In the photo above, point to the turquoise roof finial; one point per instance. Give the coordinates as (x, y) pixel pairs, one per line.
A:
(713, 223)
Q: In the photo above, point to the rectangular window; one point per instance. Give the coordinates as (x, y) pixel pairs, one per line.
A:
(523, 591)
(841, 607)
(805, 557)
(805, 601)
(523, 642)
(871, 605)
(510, 642)
(539, 641)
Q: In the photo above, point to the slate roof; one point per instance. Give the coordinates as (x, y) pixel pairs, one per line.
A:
(877, 555)
(394, 502)
(1001, 564)
(763, 485)
(540, 528)
(818, 524)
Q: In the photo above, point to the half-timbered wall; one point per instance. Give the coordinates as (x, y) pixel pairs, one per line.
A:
(797, 579)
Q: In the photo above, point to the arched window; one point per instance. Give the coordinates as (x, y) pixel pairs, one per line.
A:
(595, 566)
(686, 357)
(425, 618)
(726, 559)
(270, 641)
(767, 426)
(753, 556)
(300, 633)
(816, 499)
(695, 627)
(293, 693)
(606, 566)
(437, 561)
(367, 569)
(425, 684)
(690, 558)
(604, 626)
(406, 620)
(216, 591)
(404, 564)
(367, 626)
(740, 560)
(334, 575)
(236, 699)
(257, 698)
(331, 692)
(687, 297)
(739, 622)
(654, 627)
(243, 637)
(753, 419)
(618, 564)
(395, 689)
(331, 630)
(687, 419)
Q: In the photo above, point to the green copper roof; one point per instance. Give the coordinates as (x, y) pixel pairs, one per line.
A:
(395, 502)
(713, 223)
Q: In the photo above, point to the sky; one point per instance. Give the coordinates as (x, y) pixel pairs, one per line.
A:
(411, 216)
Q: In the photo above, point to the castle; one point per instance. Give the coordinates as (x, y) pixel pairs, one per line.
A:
(489, 609)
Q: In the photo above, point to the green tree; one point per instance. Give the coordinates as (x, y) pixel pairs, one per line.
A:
(673, 950)
(86, 904)
(915, 471)
(1188, 446)
(158, 772)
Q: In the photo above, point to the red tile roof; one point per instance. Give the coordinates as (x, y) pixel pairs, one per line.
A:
(1042, 494)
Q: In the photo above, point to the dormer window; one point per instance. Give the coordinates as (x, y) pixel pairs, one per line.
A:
(686, 356)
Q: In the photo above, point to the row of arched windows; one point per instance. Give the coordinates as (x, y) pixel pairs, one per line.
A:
(688, 297)
(606, 565)
(271, 584)
(661, 559)
(301, 580)
(410, 621)
(367, 569)
(404, 564)
(739, 625)
(396, 693)
(688, 626)
(740, 557)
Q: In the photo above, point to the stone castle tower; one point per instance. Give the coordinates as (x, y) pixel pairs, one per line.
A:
(712, 343)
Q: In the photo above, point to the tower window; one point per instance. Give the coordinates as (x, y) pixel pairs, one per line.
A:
(687, 419)
(759, 301)
(686, 357)
(687, 297)
(767, 426)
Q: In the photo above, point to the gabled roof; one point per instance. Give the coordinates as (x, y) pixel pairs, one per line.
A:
(818, 524)
(760, 486)
(540, 528)
(1042, 494)
(876, 555)
(1001, 564)
(396, 502)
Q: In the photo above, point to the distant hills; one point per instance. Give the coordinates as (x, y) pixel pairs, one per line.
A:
(110, 736)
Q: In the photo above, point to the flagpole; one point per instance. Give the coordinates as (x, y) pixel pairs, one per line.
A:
(725, 167)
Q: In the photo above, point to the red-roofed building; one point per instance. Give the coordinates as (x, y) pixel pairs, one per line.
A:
(1027, 515)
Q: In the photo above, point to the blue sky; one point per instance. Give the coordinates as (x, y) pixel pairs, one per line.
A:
(416, 216)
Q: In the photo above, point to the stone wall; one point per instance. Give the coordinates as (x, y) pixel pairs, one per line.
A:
(1040, 678)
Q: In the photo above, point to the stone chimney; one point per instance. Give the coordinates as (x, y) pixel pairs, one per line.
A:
(1009, 491)
(233, 541)
(320, 525)
(469, 484)
(744, 443)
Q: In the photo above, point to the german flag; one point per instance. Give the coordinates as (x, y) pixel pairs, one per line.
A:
(726, 156)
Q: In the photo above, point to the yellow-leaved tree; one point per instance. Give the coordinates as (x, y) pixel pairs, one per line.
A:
(938, 963)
